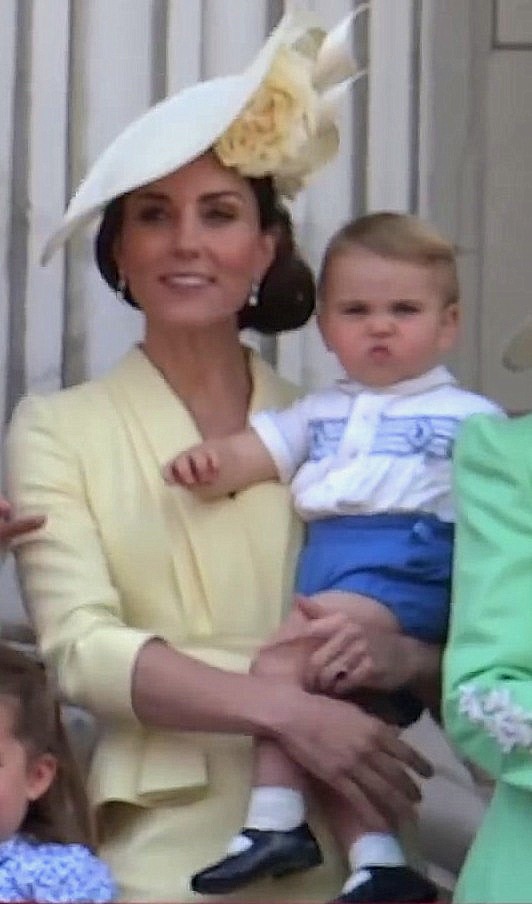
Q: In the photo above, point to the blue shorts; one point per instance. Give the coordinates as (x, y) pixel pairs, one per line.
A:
(403, 561)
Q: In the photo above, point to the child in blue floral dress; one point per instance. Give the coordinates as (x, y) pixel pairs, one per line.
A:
(45, 833)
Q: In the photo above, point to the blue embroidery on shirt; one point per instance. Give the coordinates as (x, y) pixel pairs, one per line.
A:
(324, 436)
(431, 435)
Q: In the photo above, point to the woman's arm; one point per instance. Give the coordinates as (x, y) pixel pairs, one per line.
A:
(423, 670)
(354, 753)
(122, 673)
(488, 661)
(64, 573)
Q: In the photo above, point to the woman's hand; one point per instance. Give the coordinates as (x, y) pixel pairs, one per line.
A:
(10, 528)
(349, 656)
(354, 753)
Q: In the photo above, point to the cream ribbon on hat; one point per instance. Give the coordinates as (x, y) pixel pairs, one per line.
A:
(277, 118)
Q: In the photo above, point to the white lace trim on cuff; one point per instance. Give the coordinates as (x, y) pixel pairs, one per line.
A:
(509, 724)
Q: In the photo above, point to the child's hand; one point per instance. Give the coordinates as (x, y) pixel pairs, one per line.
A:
(196, 467)
(11, 528)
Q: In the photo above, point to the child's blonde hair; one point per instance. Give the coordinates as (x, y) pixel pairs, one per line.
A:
(401, 237)
(62, 813)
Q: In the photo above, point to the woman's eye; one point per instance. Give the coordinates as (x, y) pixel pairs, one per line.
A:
(152, 214)
(220, 214)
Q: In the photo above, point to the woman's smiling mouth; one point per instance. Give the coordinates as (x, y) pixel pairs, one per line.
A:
(186, 280)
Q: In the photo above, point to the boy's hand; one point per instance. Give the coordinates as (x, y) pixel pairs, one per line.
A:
(196, 467)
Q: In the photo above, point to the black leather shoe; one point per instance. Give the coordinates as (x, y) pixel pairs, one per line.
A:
(388, 884)
(271, 854)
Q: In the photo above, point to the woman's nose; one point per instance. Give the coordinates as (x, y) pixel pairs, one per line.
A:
(185, 234)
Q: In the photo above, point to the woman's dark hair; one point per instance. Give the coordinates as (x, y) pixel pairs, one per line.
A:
(62, 813)
(287, 294)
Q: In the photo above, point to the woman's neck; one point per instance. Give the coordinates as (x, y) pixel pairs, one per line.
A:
(208, 370)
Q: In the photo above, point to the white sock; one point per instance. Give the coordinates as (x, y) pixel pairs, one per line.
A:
(358, 877)
(275, 808)
(270, 808)
(376, 849)
(372, 849)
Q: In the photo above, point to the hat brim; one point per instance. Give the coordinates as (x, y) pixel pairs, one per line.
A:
(518, 353)
(172, 133)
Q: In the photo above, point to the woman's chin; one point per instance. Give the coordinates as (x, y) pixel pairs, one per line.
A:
(181, 317)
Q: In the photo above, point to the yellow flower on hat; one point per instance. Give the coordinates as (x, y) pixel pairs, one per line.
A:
(277, 121)
(287, 129)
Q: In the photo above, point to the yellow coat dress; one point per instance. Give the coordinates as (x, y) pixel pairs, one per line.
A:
(124, 558)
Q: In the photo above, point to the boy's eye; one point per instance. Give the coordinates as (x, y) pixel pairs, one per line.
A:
(358, 310)
(405, 307)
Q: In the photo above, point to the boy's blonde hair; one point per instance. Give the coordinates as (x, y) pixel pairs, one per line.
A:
(401, 237)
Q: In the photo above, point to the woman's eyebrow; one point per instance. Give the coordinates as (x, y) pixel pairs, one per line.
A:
(151, 196)
(224, 194)
(210, 196)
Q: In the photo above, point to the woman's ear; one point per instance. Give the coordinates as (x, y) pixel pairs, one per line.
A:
(267, 252)
(116, 254)
(40, 774)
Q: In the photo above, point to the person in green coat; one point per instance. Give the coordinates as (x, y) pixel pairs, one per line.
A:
(487, 694)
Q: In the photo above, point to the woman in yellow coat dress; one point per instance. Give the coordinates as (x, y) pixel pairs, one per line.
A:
(149, 603)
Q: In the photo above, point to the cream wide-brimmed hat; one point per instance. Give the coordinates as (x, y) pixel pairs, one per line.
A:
(518, 352)
(277, 118)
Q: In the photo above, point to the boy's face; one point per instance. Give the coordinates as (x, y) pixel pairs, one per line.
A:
(384, 319)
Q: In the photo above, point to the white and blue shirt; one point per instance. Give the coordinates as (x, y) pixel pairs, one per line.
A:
(353, 449)
(48, 872)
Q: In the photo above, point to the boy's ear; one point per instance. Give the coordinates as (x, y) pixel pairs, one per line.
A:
(321, 326)
(40, 774)
(450, 325)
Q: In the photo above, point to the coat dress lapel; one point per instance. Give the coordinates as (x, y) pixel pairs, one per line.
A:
(226, 599)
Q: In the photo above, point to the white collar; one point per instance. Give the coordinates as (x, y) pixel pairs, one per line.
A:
(432, 379)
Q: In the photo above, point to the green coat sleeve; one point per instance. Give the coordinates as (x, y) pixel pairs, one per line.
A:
(488, 662)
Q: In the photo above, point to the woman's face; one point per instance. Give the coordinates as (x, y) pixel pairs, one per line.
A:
(191, 245)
